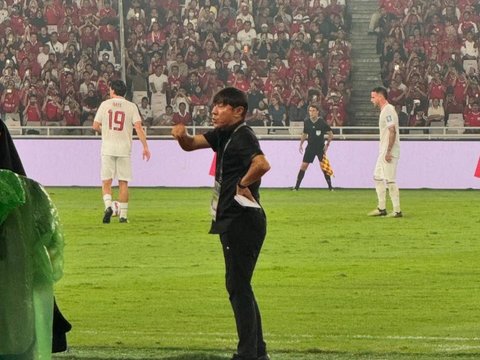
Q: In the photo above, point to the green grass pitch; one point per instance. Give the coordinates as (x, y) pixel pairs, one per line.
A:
(331, 282)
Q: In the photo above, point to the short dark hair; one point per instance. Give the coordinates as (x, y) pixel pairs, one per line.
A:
(381, 90)
(119, 88)
(231, 96)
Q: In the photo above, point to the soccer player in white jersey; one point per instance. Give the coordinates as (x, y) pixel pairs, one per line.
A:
(389, 152)
(115, 119)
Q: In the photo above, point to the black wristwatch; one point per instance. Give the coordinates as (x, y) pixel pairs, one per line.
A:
(240, 185)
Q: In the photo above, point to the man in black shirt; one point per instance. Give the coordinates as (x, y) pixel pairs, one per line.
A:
(314, 131)
(240, 165)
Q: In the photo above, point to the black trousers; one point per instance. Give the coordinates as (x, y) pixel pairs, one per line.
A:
(60, 328)
(241, 246)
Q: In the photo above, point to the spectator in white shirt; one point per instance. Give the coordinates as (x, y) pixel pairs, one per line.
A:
(469, 48)
(245, 15)
(247, 35)
(55, 45)
(42, 57)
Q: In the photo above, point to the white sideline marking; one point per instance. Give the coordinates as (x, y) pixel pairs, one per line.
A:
(460, 348)
(293, 337)
(435, 338)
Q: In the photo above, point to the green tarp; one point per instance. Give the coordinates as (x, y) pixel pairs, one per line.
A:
(31, 260)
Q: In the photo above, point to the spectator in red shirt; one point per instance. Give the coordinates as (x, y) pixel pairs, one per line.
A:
(88, 8)
(335, 117)
(451, 105)
(88, 36)
(52, 111)
(472, 117)
(437, 88)
(109, 33)
(281, 69)
(182, 116)
(24, 52)
(460, 87)
(52, 15)
(71, 114)
(156, 34)
(32, 114)
(467, 24)
(296, 53)
(107, 12)
(17, 21)
(102, 86)
(334, 8)
(29, 69)
(239, 81)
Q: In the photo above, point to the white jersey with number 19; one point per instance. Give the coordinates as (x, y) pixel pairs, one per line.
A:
(117, 117)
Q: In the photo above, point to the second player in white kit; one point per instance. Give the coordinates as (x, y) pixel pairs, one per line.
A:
(385, 173)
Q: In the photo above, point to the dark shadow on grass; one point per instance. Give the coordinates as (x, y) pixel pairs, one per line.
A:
(193, 356)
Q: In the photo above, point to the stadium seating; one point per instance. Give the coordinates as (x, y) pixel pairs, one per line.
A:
(288, 49)
(416, 40)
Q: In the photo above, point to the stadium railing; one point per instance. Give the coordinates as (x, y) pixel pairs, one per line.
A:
(263, 132)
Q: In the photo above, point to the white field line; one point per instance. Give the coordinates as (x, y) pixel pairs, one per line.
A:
(430, 338)
(458, 348)
(293, 337)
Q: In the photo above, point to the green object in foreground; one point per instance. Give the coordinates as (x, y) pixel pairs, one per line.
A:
(333, 282)
(31, 259)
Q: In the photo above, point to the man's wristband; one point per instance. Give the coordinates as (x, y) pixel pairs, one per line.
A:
(240, 185)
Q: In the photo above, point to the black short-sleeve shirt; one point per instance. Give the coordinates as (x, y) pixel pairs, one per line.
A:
(232, 164)
(316, 132)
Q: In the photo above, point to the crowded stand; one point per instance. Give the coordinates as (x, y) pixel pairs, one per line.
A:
(59, 55)
(429, 60)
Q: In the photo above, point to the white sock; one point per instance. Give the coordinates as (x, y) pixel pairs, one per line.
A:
(394, 196)
(107, 200)
(381, 193)
(123, 210)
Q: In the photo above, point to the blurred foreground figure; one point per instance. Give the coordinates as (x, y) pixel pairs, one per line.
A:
(31, 260)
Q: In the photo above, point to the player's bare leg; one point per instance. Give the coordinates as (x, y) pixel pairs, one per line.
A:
(123, 199)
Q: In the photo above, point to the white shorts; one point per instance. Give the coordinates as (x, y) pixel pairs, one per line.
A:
(385, 170)
(119, 167)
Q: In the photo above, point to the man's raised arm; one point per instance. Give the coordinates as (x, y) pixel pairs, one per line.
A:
(188, 142)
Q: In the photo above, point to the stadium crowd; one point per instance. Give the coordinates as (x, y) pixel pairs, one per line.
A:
(57, 57)
(429, 60)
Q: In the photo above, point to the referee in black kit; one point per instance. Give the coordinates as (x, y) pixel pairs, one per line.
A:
(314, 131)
(242, 229)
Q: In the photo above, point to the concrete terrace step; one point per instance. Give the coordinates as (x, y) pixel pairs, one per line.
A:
(365, 62)
(364, 73)
(366, 54)
(358, 17)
